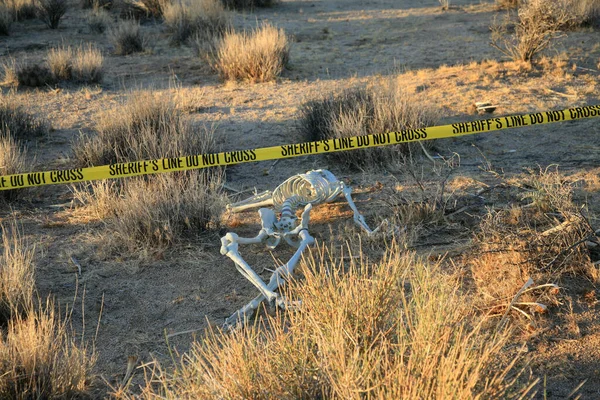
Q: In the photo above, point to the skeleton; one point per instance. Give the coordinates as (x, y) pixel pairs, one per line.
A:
(303, 190)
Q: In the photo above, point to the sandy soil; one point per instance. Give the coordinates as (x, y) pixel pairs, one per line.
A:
(443, 57)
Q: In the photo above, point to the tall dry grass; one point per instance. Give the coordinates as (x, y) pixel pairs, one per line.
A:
(60, 62)
(364, 330)
(40, 359)
(257, 56)
(203, 19)
(379, 108)
(17, 282)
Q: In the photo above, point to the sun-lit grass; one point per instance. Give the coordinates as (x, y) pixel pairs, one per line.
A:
(40, 358)
(364, 330)
(257, 56)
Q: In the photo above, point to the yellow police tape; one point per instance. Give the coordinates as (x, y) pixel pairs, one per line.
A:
(190, 162)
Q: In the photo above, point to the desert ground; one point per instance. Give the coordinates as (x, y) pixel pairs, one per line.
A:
(146, 303)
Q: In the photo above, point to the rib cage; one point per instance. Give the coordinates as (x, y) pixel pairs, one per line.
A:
(314, 187)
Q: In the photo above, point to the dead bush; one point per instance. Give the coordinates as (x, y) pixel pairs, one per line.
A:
(145, 127)
(257, 56)
(18, 123)
(6, 19)
(364, 331)
(99, 20)
(543, 239)
(40, 359)
(51, 11)
(538, 23)
(17, 282)
(378, 108)
(249, 4)
(126, 37)
(205, 19)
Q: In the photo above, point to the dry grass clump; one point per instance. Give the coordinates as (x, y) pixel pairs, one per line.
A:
(144, 127)
(40, 359)
(87, 64)
(543, 240)
(12, 161)
(99, 20)
(582, 12)
(60, 62)
(126, 37)
(6, 19)
(16, 122)
(182, 205)
(204, 19)
(145, 8)
(16, 275)
(148, 127)
(257, 56)
(361, 111)
(363, 331)
(248, 4)
(51, 11)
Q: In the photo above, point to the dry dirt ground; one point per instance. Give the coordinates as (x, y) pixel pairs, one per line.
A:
(443, 57)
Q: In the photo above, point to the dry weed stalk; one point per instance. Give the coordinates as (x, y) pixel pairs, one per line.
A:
(542, 240)
(364, 331)
(539, 22)
(257, 56)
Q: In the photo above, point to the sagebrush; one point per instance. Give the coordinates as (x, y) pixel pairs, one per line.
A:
(51, 11)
